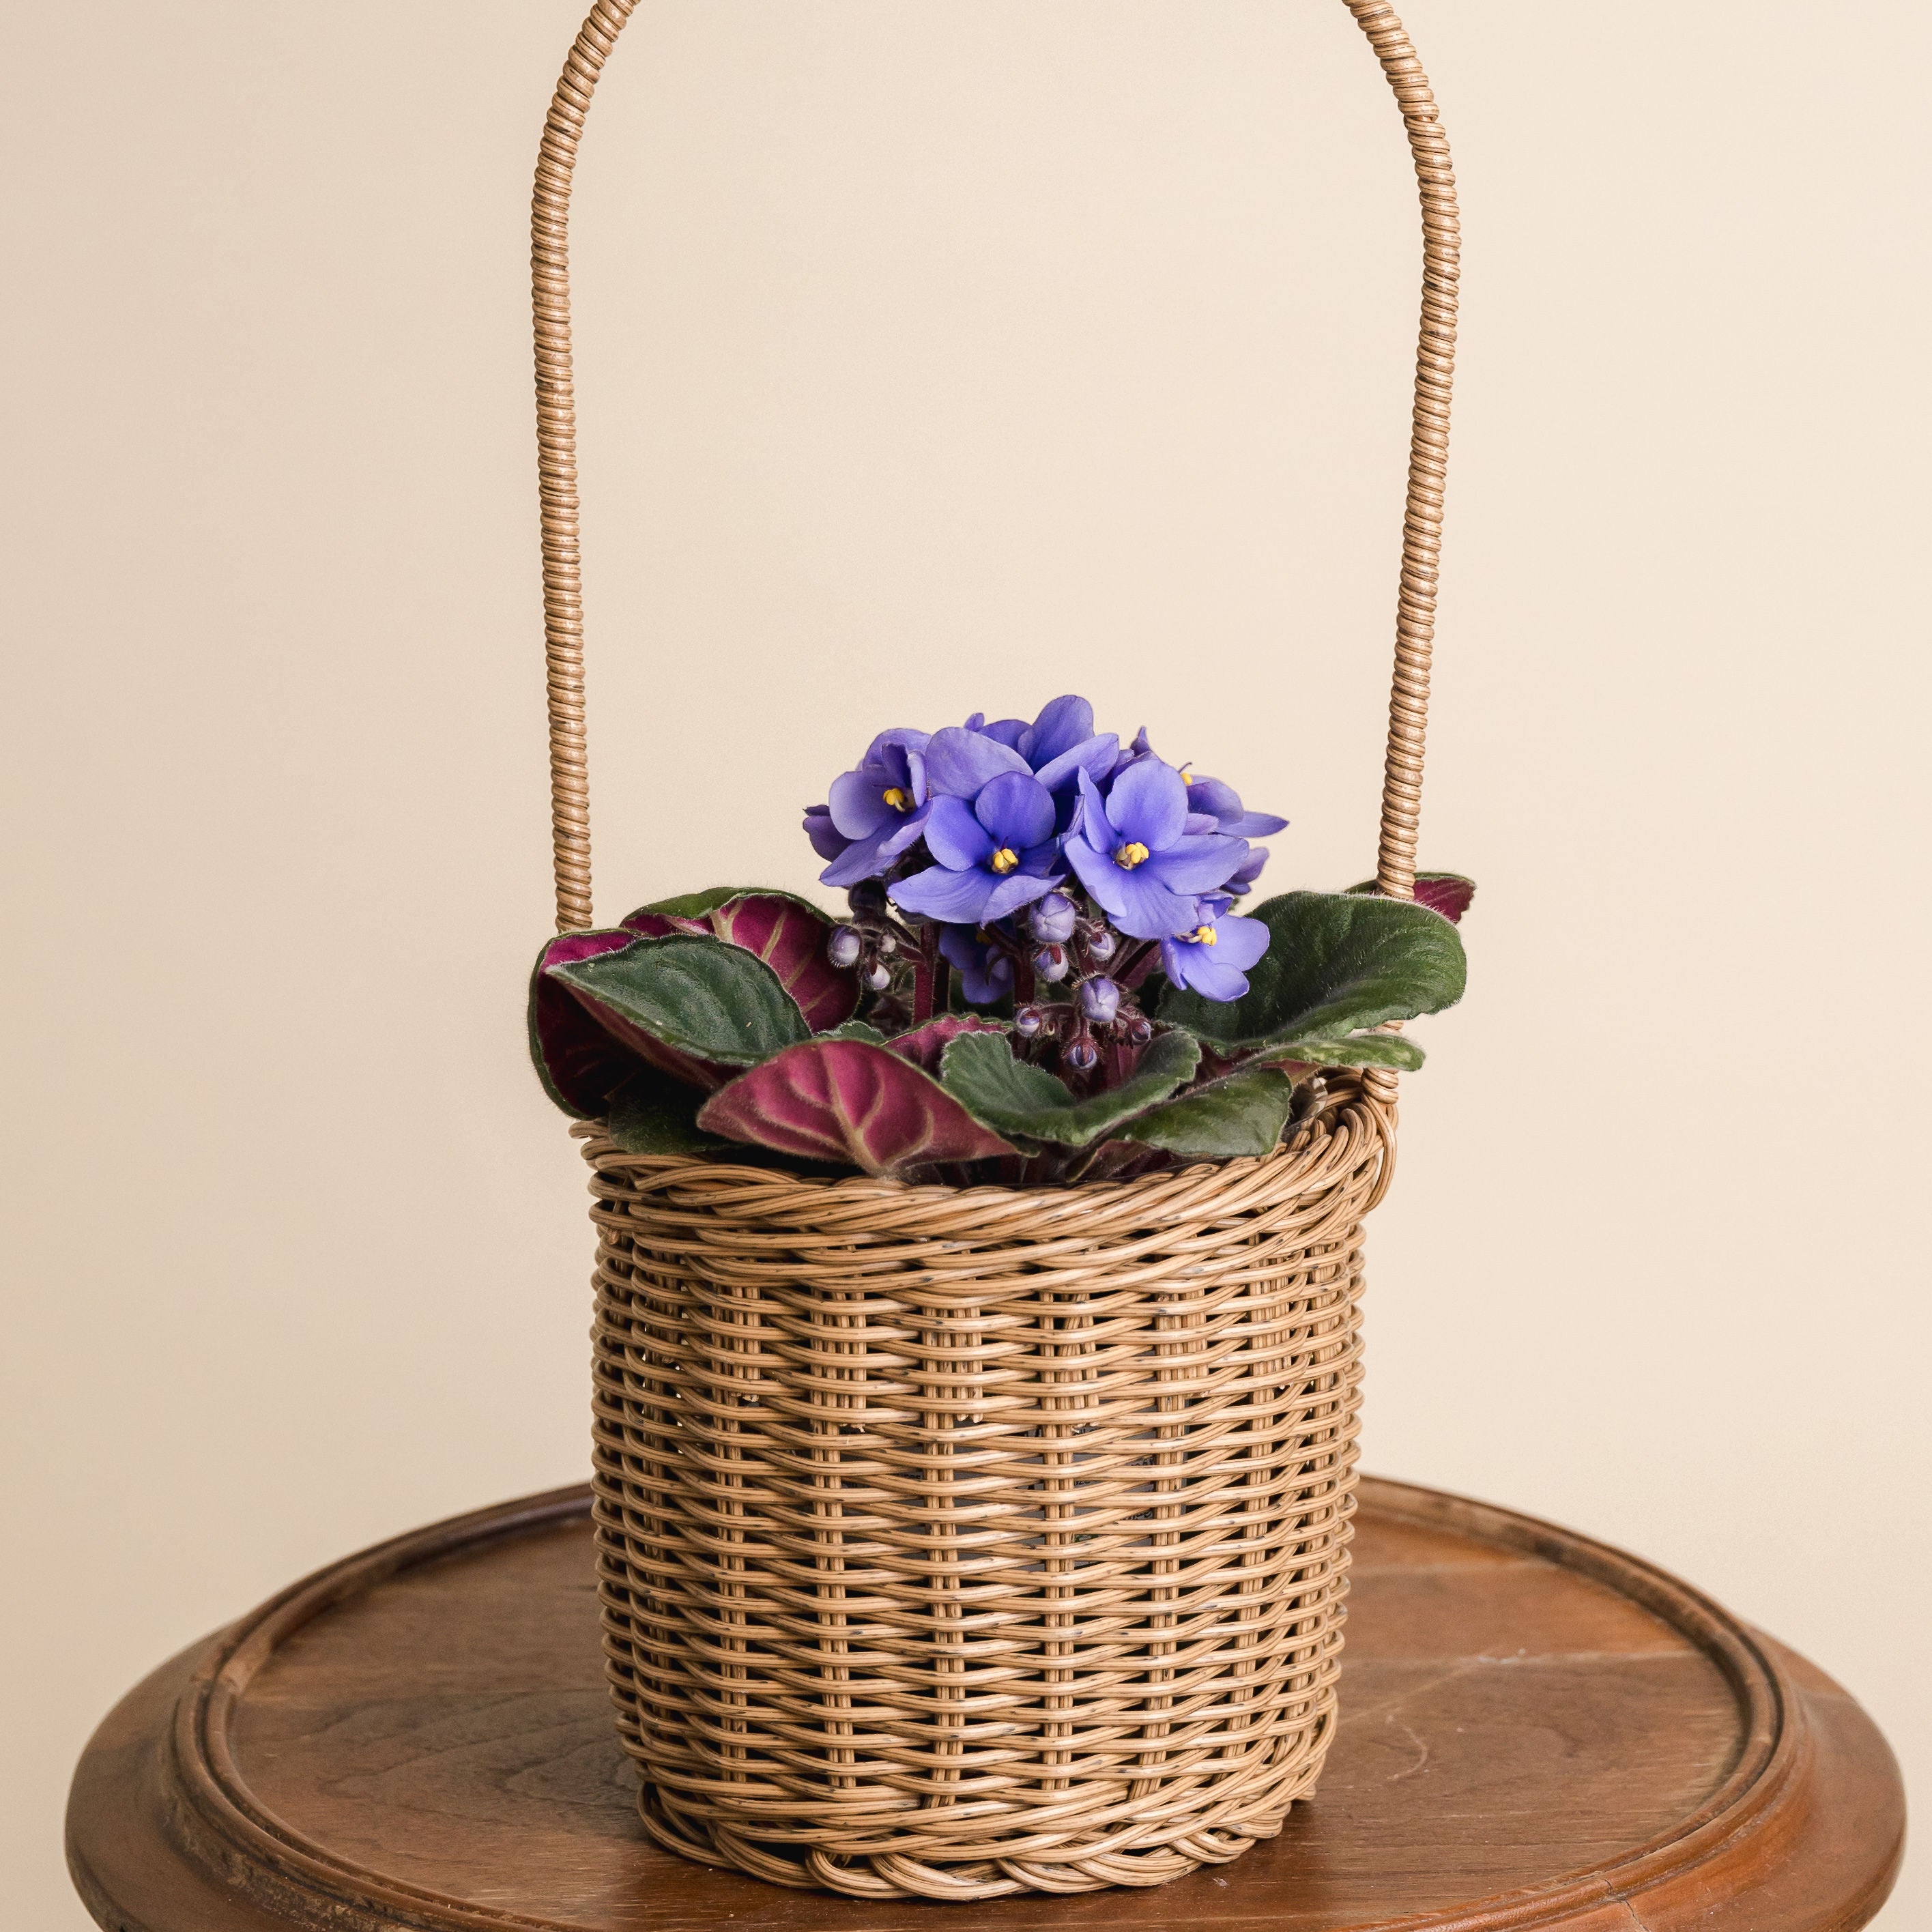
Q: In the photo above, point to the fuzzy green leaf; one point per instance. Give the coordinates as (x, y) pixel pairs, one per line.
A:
(702, 997)
(788, 934)
(1362, 1049)
(695, 905)
(651, 1114)
(1335, 963)
(1243, 1115)
(1012, 1097)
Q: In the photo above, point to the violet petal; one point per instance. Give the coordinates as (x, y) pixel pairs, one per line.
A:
(1146, 908)
(1016, 890)
(955, 837)
(1148, 804)
(959, 898)
(960, 764)
(1062, 723)
(1195, 865)
(857, 803)
(1094, 756)
(1017, 811)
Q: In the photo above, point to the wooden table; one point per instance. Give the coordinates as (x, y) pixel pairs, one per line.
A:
(1537, 1731)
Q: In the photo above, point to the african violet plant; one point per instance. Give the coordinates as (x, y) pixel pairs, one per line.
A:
(1043, 975)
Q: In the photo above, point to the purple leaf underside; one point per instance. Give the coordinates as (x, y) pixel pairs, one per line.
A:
(789, 938)
(585, 1049)
(656, 924)
(1449, 893)
(849, 1102)
(924, 1045)
(580, 1061)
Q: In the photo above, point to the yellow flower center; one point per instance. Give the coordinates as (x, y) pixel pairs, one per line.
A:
(1204, 935)
(1130, 855)
(1187, 775)
(1004, 859)
(895, 798)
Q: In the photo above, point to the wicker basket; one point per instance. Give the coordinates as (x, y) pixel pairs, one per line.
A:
(961, 1542)
(954, 1543)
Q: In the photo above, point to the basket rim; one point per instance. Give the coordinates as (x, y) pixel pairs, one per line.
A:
(1359, 1127)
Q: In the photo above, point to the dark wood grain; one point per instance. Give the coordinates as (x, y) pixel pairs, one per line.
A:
(1536, 1732)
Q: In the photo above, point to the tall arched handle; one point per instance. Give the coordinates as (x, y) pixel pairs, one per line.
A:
(556, 453)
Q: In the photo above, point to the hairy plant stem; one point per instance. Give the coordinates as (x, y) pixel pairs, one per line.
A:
(1129, 966)
(1016, 949)
(1079, 1161)
(925, 969)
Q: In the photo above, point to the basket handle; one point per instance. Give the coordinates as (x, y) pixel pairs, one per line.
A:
(556, 453)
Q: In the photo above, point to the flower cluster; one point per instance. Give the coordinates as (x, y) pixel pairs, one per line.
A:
(1041, 856)
(1083, 894)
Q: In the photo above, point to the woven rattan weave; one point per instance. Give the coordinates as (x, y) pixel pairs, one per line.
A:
(962, 1542)
(954, 1543)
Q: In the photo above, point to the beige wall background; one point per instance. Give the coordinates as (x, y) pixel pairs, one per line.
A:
(937, 356)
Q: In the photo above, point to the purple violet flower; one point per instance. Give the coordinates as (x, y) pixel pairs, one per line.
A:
(1133, 754)
(1053, 918)
(1006, 731)
(1241, 879)
(1222, 803)
(995, 855)
(1051, 964)
(1212, 959)
(1134, 852)
(1207, 798)
(880, 806)
(1100, 999)
(985, 973)
(1062, 740)
(827, 840)
(1058, 746)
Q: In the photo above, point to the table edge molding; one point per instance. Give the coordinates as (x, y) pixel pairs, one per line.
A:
(215, 1822)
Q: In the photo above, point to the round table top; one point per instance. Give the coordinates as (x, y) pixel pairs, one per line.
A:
(1537, 1731)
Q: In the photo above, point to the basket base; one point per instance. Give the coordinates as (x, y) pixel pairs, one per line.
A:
(810, 1868)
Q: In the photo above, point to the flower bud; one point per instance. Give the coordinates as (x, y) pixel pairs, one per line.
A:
(1050, 963)
(878, 975)
(1082, 1055)
(1028, 1022)
(1101, 945)
(1051, 920)
(1100, 999)
(844, 946)
(885, 944)
(867, 896)
(1140, 1029)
